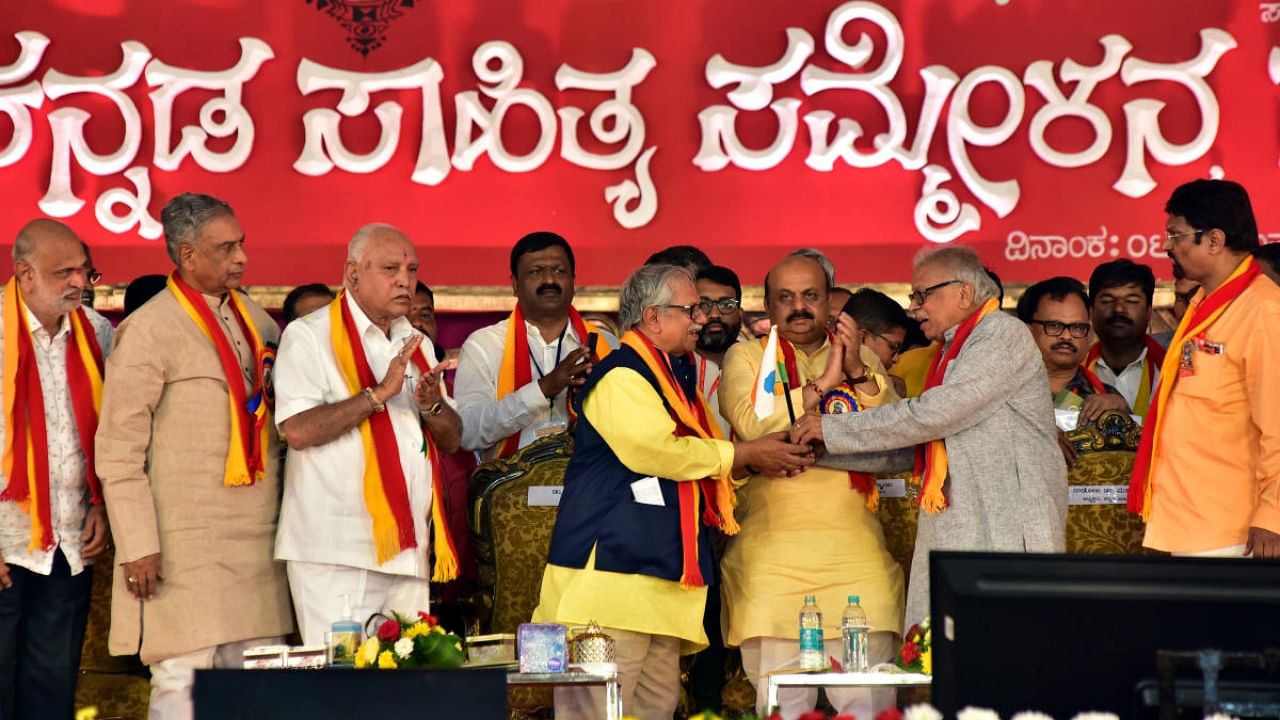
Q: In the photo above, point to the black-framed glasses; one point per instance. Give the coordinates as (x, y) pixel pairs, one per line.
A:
(895, 348)
(918, 297)
(724, 305)
(689, 310)
(1054, 328)
(1170, 237)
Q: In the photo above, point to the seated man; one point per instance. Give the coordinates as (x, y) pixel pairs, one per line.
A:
(1057, 311)
(649, 470)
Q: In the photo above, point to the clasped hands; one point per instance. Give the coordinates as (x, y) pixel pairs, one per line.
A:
(427, 391)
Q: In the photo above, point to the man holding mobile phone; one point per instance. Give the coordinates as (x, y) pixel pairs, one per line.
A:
(515, 377)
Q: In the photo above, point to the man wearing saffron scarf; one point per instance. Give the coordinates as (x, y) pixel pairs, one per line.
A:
(1207, 475)
(52, 522)
(816, 533)
(360, 401)
(187, 455)
(648, 483)
(981, 436)
(515, 377)
(1125, 356)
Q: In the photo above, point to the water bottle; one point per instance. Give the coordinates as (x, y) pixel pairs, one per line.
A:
(853, 636)
(812, 654)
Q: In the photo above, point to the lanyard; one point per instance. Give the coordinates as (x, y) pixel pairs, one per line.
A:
(551, 401)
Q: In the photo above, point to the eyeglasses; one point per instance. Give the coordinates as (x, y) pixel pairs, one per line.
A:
(94, 277)
(1170, 237)
(1054, 328)
(894, 347)
(918, 297)
(724, 305)
(689, 310)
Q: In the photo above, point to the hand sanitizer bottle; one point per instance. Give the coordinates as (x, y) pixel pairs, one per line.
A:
(345, 637)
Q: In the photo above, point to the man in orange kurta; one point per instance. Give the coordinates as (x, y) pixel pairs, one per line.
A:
(1214, 451)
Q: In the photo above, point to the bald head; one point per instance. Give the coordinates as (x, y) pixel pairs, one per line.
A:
(796, 298)
(49, 263)
(381, 272)
(39, 231)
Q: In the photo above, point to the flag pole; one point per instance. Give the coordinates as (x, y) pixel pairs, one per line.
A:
(786, 391)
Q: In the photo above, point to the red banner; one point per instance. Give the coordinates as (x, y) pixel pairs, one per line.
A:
(1045, 133)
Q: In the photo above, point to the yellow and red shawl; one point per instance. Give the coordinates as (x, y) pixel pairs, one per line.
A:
(26, 442)
(931, 457)
(250, 413)
(515, 372)
(692, 418)
(386, 492)
(1153, 360)
(1194, 324)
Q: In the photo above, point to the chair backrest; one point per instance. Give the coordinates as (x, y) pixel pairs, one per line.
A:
(511, 536)
(1097, 521)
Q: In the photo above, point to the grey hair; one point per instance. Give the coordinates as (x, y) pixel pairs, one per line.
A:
(185, 215)
(648, 286)
(827, 268)
(361, 238)
(965, 265)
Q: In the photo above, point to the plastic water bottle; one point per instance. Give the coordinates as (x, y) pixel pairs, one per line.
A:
(812, 654)
(853, 635)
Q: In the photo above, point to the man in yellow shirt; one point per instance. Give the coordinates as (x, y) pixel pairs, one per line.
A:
(649, 470)
(1207, 476)
(816, 533)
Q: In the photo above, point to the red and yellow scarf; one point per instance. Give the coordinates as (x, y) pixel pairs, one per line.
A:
(386, 492)
(515, 371)
(931, 457)
(26, 442)
(250, 413)
(692, 418)
(1153, 360)
(1194, 323)
(864, 483)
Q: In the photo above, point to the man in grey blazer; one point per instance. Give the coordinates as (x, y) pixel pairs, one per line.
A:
(1006, 485)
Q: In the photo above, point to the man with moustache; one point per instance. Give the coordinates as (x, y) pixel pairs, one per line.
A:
(187, 455)
(515, 377)
(1207, 476)
(353, 524)
(720, 295)
(818, 531)
(1125, 356)
(981, 435)
(52, 521)
(649, 478)
(1057, 311)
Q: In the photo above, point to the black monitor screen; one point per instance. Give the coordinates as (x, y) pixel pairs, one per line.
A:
(1064, 634)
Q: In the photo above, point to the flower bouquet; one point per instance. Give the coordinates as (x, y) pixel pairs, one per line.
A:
(916, 654)
(404, 642)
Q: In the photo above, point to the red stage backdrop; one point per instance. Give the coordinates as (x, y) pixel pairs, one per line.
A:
(1045, 133)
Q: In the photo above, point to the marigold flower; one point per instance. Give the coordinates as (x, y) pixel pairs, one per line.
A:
(368, 653)
(386, 660)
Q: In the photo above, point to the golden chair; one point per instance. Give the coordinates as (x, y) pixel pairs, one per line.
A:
(1105, 451)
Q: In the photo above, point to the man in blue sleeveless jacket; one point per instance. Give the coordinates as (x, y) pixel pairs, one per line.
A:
(649, 471)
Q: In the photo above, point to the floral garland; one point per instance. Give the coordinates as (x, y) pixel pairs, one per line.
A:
(402, 642)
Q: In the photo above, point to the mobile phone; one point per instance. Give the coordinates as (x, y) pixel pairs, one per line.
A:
(591, 346)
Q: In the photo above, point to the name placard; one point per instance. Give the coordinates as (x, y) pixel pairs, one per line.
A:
(892, 487)
(1097, 495)
(545, 495)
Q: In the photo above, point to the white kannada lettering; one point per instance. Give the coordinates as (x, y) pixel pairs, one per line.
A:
(220, 117)
(500, 84)
(17, 102)
(67, 125)
(323, 148)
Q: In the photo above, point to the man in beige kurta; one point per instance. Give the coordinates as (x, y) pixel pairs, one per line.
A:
(197, 582)
(812, 533)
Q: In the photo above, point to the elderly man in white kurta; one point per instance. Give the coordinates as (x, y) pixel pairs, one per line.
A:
(362, 409)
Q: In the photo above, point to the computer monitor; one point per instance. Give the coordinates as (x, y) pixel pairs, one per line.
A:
(1064, 634)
